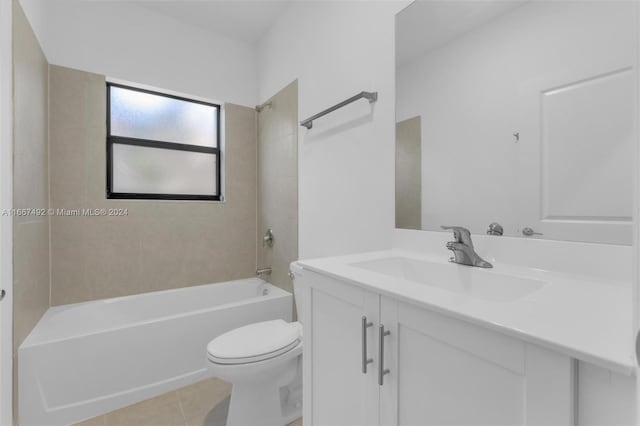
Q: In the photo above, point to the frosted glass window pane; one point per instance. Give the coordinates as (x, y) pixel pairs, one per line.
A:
(143, 115)
(143, 170)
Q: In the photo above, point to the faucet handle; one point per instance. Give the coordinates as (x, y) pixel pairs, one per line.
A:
(460, 234)
(528, 232)
(495, 229)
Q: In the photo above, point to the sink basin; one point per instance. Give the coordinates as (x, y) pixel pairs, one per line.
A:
(475, 282)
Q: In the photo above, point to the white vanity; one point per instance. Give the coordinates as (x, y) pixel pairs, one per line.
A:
(403, 337)
(514, 119)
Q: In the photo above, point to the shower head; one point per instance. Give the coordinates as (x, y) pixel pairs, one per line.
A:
(259, 108)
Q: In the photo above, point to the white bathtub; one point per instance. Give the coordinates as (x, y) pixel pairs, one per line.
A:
(87, 359)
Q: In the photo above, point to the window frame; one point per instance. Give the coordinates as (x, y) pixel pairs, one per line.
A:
(151, 143)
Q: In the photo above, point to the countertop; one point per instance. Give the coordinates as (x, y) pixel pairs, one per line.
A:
(585, 317)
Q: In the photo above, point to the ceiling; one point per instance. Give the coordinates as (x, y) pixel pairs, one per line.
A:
(245, 20)
(427, 24)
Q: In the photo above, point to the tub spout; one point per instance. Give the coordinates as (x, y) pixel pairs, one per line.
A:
(263, 271)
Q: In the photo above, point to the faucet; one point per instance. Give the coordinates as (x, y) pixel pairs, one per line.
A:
(462, 248)
(268, 238)
(263, 271)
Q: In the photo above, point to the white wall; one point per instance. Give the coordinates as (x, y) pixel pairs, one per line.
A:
(346, 162)
(129, 42)
(560, 74)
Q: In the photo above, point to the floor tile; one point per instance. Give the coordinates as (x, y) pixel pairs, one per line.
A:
(206, 403)
(96, 421)
(163, 410)
(296, 422)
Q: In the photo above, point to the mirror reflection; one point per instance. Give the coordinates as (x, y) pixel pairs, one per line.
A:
(516, 118)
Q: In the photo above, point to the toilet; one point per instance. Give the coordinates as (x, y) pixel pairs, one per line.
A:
(263, 361)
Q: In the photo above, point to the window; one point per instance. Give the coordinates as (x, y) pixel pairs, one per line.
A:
(161, 146)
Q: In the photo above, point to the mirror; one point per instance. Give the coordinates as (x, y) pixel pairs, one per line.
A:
(519, 113)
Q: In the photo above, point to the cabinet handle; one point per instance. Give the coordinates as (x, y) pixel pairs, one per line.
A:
(365, 360)
(381, 370)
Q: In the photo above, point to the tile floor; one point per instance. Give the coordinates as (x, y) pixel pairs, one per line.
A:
(201, 404)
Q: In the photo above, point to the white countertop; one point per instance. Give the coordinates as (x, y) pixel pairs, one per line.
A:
(583, 316)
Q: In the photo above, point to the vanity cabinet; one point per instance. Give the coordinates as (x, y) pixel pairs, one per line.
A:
(336, 392)
(447, 371)
(441, 370)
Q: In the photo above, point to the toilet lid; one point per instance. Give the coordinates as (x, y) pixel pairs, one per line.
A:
(254, 342)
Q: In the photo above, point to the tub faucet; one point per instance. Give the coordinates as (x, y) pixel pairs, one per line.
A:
(263, 271)
(462, 248)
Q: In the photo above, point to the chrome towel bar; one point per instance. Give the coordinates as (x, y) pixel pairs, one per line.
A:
(370, 96)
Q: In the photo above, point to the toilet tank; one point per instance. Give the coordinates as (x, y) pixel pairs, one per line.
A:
(300, 289)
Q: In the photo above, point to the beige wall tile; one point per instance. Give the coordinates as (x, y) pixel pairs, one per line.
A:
(67, 168)
(408, 174)
(31, 233)
(278, 184)
(31, 276)
(159, 244)
(67, 252)
(111, 256)
(30, 186)
(30, 118)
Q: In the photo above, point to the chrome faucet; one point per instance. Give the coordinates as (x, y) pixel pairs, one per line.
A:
(462, 248)
(263, 271)
(268, 238)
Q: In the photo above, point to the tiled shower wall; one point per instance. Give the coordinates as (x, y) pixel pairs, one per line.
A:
(30, 184)
(408, 174)
(278, 183)
(159, 244)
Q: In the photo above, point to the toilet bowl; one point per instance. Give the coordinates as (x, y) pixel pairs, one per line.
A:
(263, 361)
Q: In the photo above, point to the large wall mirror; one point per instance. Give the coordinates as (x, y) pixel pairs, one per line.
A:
(520, 113)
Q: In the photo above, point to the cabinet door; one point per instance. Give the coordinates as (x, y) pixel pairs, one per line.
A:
(336, 391)
(444, 371)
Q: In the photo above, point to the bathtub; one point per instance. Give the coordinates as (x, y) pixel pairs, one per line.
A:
(86, 359)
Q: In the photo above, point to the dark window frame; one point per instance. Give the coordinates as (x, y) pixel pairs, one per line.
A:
(111, 139)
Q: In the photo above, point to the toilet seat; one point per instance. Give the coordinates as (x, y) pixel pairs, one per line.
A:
(254, 342)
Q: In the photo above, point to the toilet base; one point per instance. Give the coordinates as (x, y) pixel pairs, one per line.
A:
(275, 400)
(260, 406)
